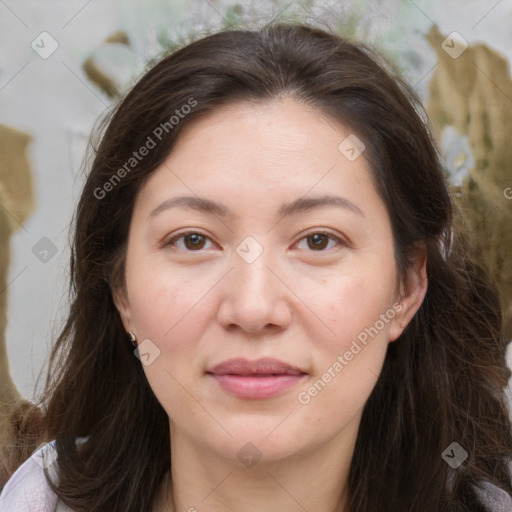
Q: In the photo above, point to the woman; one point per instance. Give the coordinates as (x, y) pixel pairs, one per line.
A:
(271, 310)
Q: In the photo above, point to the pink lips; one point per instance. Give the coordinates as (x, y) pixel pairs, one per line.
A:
(258, 379)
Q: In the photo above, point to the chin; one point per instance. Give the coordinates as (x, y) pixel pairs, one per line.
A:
(260, 441)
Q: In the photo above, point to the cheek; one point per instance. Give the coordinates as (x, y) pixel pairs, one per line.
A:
(349, 356)
(166, 306)
(347, 361)
(173, 312)
(349, 303)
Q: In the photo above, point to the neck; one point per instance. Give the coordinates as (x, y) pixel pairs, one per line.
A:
(315, 480)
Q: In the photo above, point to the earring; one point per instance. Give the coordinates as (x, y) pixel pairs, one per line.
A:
(133, 339)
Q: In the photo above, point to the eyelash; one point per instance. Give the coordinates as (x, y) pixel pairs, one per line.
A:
(339, 241)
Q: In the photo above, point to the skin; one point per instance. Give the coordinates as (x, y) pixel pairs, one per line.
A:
(201, 303)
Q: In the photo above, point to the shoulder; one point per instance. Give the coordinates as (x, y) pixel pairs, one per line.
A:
(28, 488)
(493, 498)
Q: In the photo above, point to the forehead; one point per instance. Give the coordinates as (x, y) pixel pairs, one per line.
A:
(263, 126)
(279, 144)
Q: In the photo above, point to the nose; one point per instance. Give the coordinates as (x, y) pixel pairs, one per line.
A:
(255, 297)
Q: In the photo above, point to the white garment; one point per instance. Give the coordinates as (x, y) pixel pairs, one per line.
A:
(27, 490)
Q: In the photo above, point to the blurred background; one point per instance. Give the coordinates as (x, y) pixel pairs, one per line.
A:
(64, 63)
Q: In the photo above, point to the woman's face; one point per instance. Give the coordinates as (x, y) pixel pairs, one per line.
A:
(289, 257)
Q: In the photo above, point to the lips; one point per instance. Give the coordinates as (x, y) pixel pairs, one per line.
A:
(264, 366)
(264, 378)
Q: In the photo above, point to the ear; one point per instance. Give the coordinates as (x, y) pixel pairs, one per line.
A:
(412, 293)
(122, 305)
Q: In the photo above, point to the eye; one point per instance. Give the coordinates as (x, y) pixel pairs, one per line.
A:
(193, 241)
(319, 240)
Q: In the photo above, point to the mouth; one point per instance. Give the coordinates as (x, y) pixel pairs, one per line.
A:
(263, 378)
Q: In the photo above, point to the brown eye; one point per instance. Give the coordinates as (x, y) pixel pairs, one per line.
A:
(194, 241)
(318, 241)
(191, 241)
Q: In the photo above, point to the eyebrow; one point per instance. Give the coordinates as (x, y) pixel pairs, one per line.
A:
(300, 205)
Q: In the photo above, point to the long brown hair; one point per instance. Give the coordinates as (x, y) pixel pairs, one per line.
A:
(442, 380)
